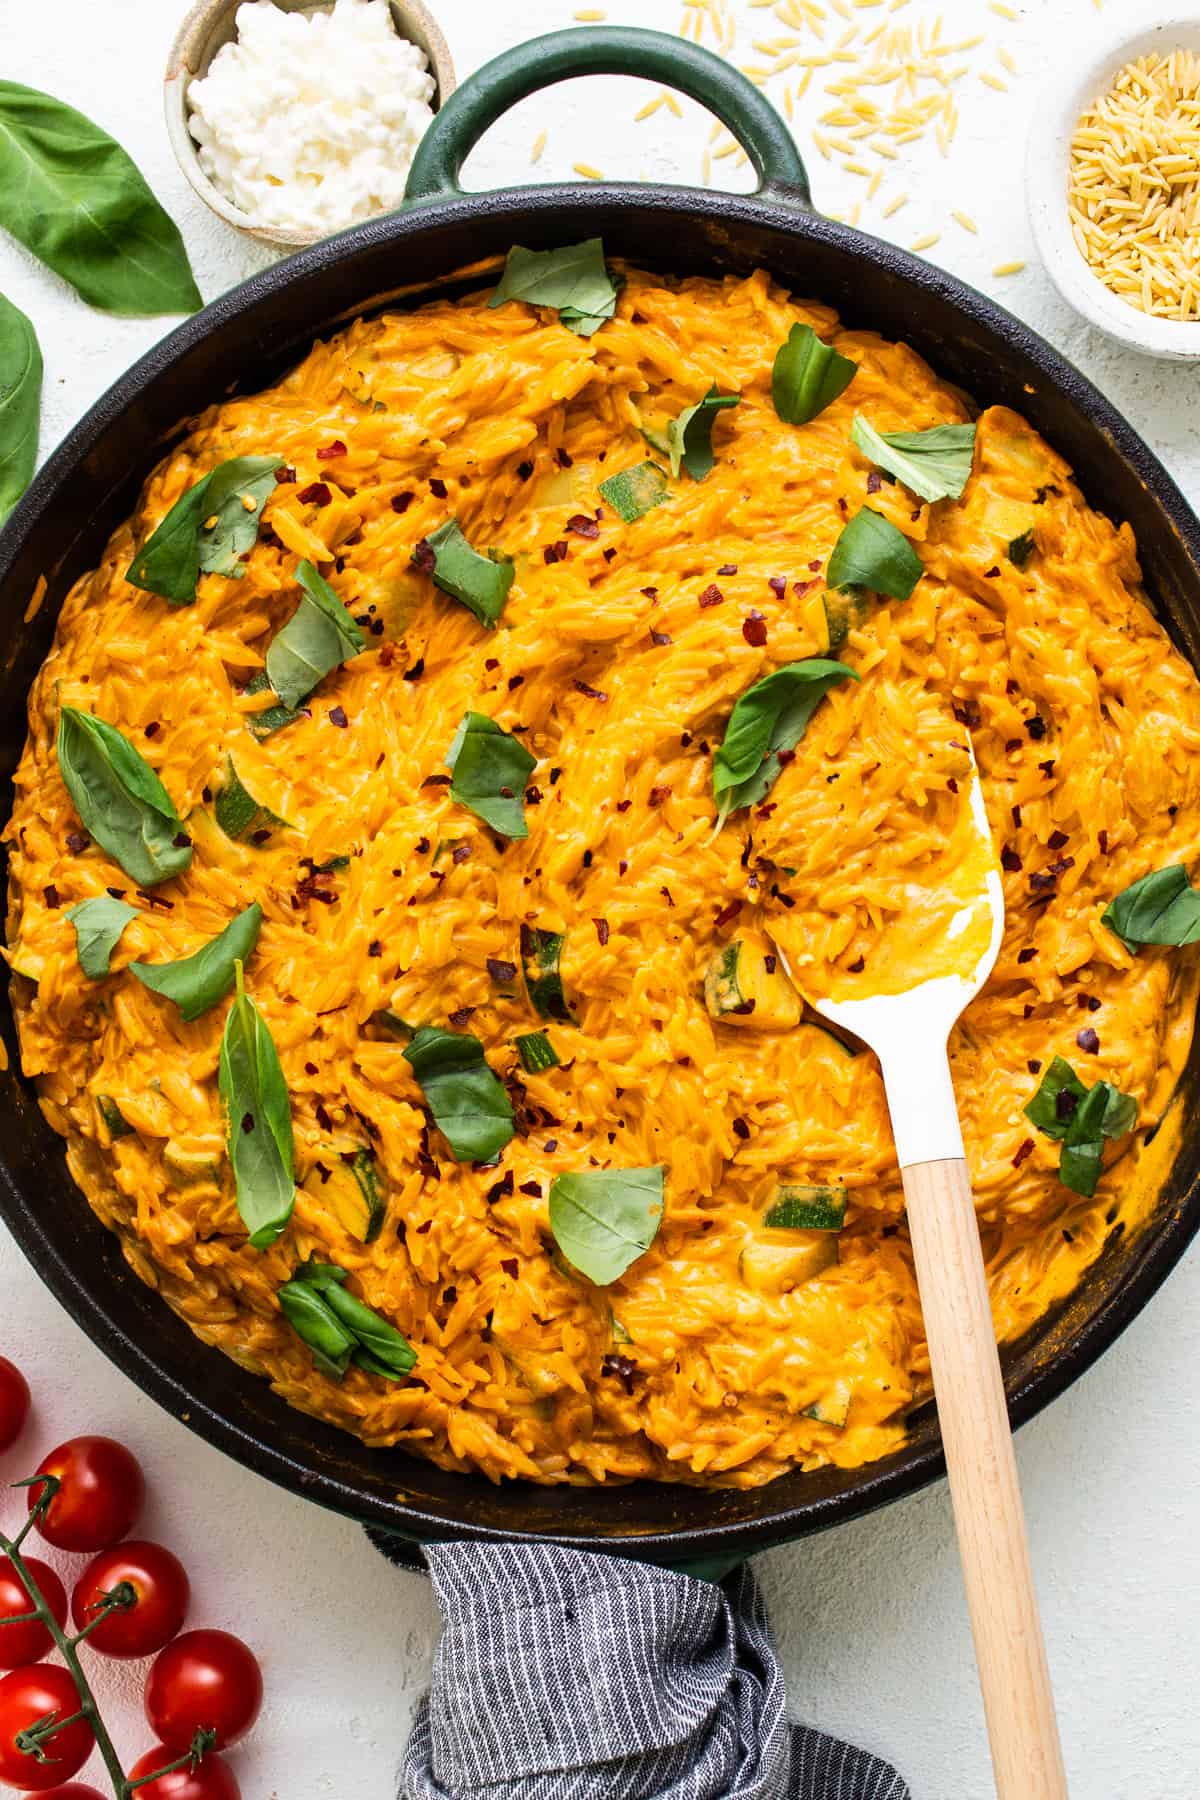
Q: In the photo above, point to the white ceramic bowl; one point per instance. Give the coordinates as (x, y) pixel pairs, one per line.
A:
(211, 24)
(1047, 166)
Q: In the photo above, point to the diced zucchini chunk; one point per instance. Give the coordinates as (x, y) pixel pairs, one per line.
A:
(833, 1408)
(194, 1161)
(844, 609)
(745, 985)
(536, 1052)
(848, 1045)
(619, 1333)
(351, 1188)
(115, 1122)
(541, 952)
(800, 1208)
(776, 1266)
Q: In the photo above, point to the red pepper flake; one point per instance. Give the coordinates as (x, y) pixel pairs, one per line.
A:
(1027, 1012)
(800, 588)
(623, 806)
(741, 1129)
(181, 840)
(461, 853)
(745, 1009)
(874, 481)
(1087, 1002)
(1047, 768)
(952, 784)
(501, 971)
(1041, 881)
(374, 948)
(988, 574)
(777, 585)
(815, 565)
(622, 867)
(387, 655)
(601, 931)
(317, 494)
(727, 569)
(1102, 842)
(1056, 840)
(77, 842)
(51, 895)
(754, 629)
(416, 671)
(514, 682)
(1016, 816)
(784, 757)
(765, 811)
(323, 1118)
(1011, 686)
(610, 553)
(1027, 955)
(337, 716)
(1010, 860)
(562, 458)
(1012, 744)
(1088, 1041)
(533, 796)
(591, 693)
(1034, 1065)
(1025, 1150)
(660, 639)
(657, 795)
(1062, 865)
(437, 487)
(582, 526)
(328, 451)
(856, 968)
(712, 595)
(967, 713)
(770, 964)
(623, 1368)
(666, 894)
(524, 471)
(727, 914)
(400, 502)
(460, 1015)
(556, 552)
(116, 893)
(651, 593)
(424, 556)
(1035, 728)
(500, 1190)
(310, 1068)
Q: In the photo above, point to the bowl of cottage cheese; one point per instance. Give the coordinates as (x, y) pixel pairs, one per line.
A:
(292, 120)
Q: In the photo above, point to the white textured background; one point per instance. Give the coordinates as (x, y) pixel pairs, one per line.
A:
(870, 1618)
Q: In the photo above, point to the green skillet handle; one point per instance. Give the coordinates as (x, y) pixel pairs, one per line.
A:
(608, 50)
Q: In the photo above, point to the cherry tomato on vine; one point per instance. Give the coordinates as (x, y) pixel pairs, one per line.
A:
(204, 1679)
(29, 1642)
(161, 1594)
(74, 1790)
(14, 1402)
(211, 1779)
(26, 1696)
(100, 1496)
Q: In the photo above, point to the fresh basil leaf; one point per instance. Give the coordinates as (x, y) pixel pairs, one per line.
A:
(263, 724)
(536, 1052)
(319, 636)
(807, 376)
(769, 717)
(98, 926)
(312, 1319)
(574, 279)
(258, 1120)
(934, 464)
(603, 1219)
(1050, 1113)
(208, 530)
(20, 404)
(468, 1102)
(69, 193)
(239, 814)
(1021, 548)
(480, 582)
(871, 553)
(120, 799)
(379, 1346)
(689, 437)
(634, 491)
(198, 981)
(490, 771)
(541, 952)
(1162, 908)
(1080, 1163)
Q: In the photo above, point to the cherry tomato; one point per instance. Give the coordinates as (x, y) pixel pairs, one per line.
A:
(14, 1402)
(74, 1790)
(211, 1779)
(27, 1643)
(100, 1497)
(26, 1696)
(204, 1679)
(160, 1584)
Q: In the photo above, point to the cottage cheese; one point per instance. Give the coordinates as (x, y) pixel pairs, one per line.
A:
(309, 121)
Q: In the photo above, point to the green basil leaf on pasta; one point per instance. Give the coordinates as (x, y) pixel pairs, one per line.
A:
(871, 553)
(72, 196)
(1057, 1099)
(807, 376)
(481, 583)
(388, 1350)
(197, 982)
(120, 799)
(536, 1052)
(769, 717)
(319, 637)
(258, 1120)
(340, 1329)
(634, 491)
(313, 1320)
(469, 1104)
(604, 1219)
(20, 404)
(574, 280)
(934, 464)
(1021, 548)
(1080, 1118)
(689, 437)
(1162, 908)
(271, 719)
(207, 531)
(240, 815)
(98, 926)
(490, 770)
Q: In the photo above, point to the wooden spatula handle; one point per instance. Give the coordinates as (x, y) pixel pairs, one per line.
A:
(1023, 1731)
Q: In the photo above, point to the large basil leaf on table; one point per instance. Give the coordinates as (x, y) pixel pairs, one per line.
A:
(770, 717)
(603, 1219)
(258, 1120)
(198, 981)
(319, 637)
(120, 799)
(73, 197)
(469, 1104)
(209, 529)
(20, 404)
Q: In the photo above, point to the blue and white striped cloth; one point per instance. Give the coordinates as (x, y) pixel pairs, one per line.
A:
(563, 1675)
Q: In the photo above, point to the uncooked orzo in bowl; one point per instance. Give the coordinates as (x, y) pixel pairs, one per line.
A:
(380, 955)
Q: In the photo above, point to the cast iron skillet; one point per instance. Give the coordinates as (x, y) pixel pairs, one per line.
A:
(243, 341)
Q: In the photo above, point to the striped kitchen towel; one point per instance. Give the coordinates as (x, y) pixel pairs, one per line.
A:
(563, 1675)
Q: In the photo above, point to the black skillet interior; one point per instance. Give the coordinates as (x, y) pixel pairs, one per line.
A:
(242, 342)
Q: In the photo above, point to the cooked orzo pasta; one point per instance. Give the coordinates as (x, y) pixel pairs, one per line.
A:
(581, 1192)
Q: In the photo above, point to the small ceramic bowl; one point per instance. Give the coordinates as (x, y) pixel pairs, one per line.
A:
(1160, 30)
(206, 29)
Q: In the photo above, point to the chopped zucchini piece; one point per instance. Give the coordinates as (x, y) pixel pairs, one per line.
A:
(800, 1208)
(846, 1042)
(778, 1266)
(832, 1408)
(239, 814)
(351, 1187)
(541, 952)
(261, 725)
(745, 985)
(536, 1052)
(618, 1331)
(194, 1161)
(115, 1122)
(392, 1022)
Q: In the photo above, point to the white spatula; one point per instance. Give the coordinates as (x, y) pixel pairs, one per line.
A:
(908, 1032)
